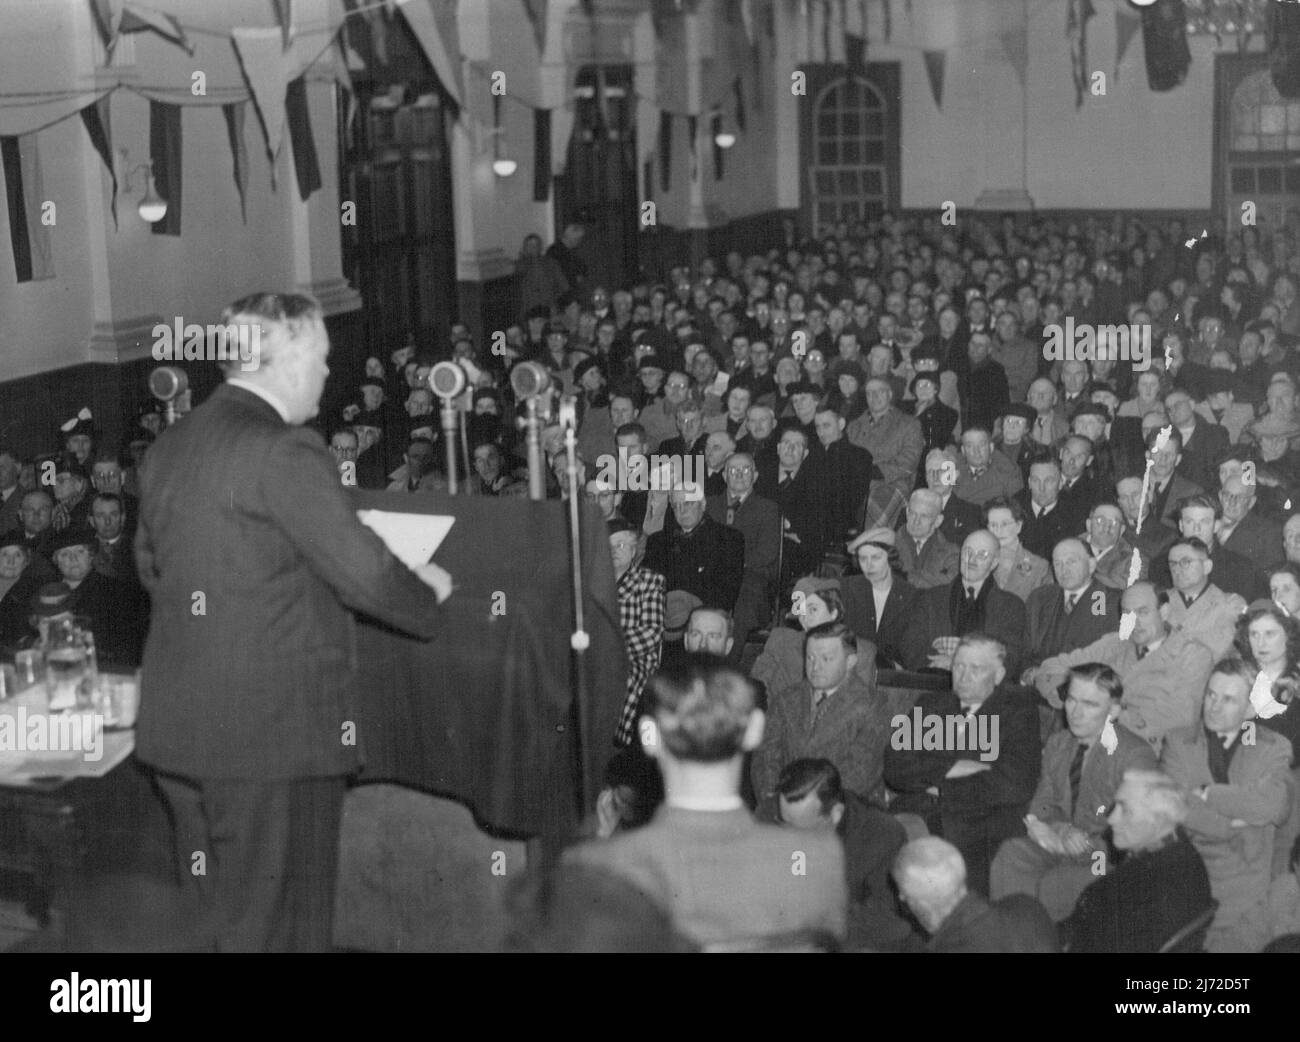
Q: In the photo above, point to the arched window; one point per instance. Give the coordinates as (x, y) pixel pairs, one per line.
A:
(848, 175)
(1263, 148)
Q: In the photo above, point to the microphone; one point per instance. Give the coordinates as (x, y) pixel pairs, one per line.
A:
(529, 380)
(447, 380)
(167, 383)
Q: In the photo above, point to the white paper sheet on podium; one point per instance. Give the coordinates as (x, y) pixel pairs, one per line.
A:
(413, 538)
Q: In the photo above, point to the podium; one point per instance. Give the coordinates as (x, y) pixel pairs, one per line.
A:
(491, 712)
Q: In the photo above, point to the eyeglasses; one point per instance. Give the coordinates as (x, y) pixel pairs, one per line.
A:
(977, 555)
(1104, 522)
(740, 470)
(1184, 562)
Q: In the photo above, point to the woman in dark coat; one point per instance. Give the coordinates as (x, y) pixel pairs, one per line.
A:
(938, 421)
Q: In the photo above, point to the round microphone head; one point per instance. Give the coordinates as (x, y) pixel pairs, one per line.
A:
(529, 379)
(167, 382)
(447, 379)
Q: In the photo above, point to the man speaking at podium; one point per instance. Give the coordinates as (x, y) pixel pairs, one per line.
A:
(253, 554)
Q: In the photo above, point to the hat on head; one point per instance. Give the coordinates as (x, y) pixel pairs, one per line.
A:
(677, 612)
(651, 361)
(537, 311)
(1025, 412)
(1217, 381)
(13, 537)
(73, 535)
(584, 367)
(1091, 409)
(803, 387)
(372, 382)
(82, 423)
(556, 325)
(847, 367)
(811, 585)
(878, 536)
(51, 599)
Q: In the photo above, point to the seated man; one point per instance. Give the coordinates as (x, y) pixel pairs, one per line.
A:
(1082, 769)
(722, 875)
(1197, 607)
(759, 521)
(974, 788)
(983, 473)
(928, 559)
(417, 473)
(1156, 885)
(931, 878)
(960, 518)
(700, 556)
(831, 714)
(1072, 612)
(812, 797)
(1236, 779)
(1111, 552)
(971, 602)
(1163, 672)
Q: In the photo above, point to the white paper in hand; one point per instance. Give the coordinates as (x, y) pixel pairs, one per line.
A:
(413, 538)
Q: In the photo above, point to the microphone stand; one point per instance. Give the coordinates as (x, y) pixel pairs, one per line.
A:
(580, 639)
(449, 441)
(536, 479)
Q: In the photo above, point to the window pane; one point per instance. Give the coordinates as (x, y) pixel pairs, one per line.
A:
(873, 152)
(1293, 116)
(874, 124)
(1272, 119)
(851, 123)
(1293, 179)
(851, 151)
(873, 182)
(848, 182)
(1245, 143)
(827, 125)
(1272, 142)
(824, 182)
(826, 153)
(1243, 179)
(1270, 179)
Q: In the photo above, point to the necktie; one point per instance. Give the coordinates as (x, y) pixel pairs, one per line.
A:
(1188, 601)
(1071, 599)
(1142, 652)
(976, 473)
(785, 478)
(732, 506)
(1076, 774)
(970, 593)
(819, 702)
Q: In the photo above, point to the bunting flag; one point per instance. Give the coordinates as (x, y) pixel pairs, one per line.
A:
(825, 8)
(747, 19)
(95, 118)
(298, 116)
(166, 153)
(108, 18)
(434, 25)
(889, 19)
(376, 26)
(1016, 47)
(665, 151)
(935, 61)
(284, 15)
(692, 139)
(536, 11)
(1164, 39)
(235, 115)
(266, 71)
(855, 51)
(1127, 23)
(561, 132)
(541, 155)
(25, 194)
(718, 152)
(137, 18)
(647, 112)
(739, 90)
(1076, 31)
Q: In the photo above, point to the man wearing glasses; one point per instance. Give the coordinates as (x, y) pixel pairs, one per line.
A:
(1112, 553)
(1196, 606)
(759, 521)
(1241, 529)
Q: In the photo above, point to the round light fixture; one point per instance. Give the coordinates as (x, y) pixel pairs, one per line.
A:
(152, 207)
(724, 139)
(1142, 3)
(504, 167)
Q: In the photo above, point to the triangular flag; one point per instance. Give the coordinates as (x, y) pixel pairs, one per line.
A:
(284, 15)
(95, 118)
(665, 150)
(889, 20)
(738, 87)
(541, 155)
(855, 51)
(646, 117)
(434, 24)
(266, 67)
(235, 114)
(1076, 30)
(747, 19)
(561, 131)
(1126, 26)
(1015, 44)
(536, 10)
(934, 66)
(692, 131)
(136, 18)
(34, 197)
(376, 27)
(305, 164)
(108, 18)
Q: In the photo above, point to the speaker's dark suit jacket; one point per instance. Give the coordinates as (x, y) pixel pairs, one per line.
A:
(1050, 631)
(934, 614)
(247, 511)
(860, 613)
(978, 812)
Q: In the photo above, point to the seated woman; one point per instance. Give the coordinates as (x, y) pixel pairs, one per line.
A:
(1148, 397)
(938, 422)
(847, 397)
(1018, 571)
(780, 665)
(22, 573)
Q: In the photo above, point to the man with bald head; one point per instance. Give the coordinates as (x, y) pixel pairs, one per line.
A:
(892, 437)
(1049, 425)
(931, 878)
(971, 602)
(700, 555)
(717, 448)
(928, 559)
(1242, 529)
(1070, 613)
(758, 520)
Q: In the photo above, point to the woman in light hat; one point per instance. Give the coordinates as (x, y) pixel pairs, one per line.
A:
(878, 600)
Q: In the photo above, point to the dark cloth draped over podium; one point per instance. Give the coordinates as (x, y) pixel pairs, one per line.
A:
(485, 713)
